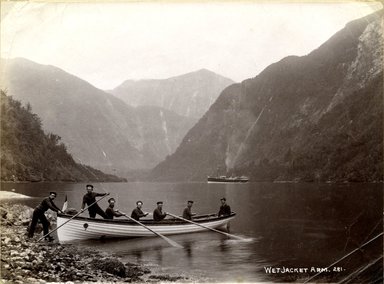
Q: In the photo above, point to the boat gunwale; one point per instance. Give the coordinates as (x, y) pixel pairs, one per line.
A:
(208, 218)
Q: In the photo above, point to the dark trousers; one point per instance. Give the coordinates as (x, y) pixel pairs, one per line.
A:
(95, 209)
(38, 215)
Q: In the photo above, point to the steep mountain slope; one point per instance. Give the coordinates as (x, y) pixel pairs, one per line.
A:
(316, 117)
(28, 154)
(188, 95)
(98, 128)
(161, 132)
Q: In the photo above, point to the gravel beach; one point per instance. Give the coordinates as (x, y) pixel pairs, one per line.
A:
(25, 260)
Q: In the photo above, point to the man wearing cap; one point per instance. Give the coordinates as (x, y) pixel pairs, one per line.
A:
(38, 214)
(158, 214)
(137, 213)
(187, 213)
(225, 210)
(90, 198)
(110, 211)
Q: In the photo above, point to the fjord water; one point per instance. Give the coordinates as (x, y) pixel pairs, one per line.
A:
(286, 225)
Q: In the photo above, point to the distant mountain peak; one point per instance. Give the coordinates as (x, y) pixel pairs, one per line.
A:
(199, 72)
(205, 71)
(189, 95)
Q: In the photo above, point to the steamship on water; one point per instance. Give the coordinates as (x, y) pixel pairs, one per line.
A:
(226, 179)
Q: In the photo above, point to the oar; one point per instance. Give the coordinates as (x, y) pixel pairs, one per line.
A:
(172, 243)
(217, 231)
(74, 216)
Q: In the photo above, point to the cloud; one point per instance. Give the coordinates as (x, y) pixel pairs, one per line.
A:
(107, 43)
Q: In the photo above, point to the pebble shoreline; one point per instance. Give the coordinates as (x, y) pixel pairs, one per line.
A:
(25, 260)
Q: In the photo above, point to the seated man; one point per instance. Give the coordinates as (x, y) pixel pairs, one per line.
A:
(110, 211)
(187, 213)
(225, 210)
(137, 213)
(158, 214)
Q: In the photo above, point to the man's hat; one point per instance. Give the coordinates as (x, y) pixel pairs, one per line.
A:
(190, 201)
(89, 185)
(137, 202)
(159, 202)
(52, 192)
(111, 199)
(223, 199)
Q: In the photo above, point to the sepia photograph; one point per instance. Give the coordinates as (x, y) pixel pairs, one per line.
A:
(191, 141)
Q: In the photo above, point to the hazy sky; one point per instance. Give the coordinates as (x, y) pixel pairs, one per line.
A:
(107, 43)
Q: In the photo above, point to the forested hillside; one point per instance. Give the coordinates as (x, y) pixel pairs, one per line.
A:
(28, 154)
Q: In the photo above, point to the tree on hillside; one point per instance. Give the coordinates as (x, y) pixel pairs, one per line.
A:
(28, 154)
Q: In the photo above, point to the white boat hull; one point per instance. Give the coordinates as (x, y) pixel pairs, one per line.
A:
(81, 228)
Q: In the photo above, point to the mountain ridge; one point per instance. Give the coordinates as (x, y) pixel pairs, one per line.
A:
(271, 127)
(98, 128)
(199, 71)
(188, 94)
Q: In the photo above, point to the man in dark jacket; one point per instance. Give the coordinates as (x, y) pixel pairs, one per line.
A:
(38, 214)
(137, 213)
(187, 213)
(225, 210)
(110, 211)
(90, 198)
(158, 213)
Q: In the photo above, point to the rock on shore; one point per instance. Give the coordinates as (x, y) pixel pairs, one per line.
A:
(27, 261)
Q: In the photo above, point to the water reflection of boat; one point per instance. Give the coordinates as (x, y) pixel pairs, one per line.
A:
(226, 179)
(82, 228)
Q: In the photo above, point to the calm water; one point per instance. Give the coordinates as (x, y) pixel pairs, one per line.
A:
(288, 225)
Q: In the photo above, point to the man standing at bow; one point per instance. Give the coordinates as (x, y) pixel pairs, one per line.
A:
(90, 198)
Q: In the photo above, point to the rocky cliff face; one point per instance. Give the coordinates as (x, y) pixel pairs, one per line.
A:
(188, 95)
(316, 117)
(98, 128)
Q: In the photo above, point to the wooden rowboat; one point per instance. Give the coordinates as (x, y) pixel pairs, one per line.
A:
(82, 228)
